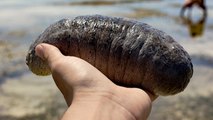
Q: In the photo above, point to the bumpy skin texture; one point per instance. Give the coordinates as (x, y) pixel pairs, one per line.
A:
(130, 53)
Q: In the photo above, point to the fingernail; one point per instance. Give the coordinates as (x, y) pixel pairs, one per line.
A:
(39, 51)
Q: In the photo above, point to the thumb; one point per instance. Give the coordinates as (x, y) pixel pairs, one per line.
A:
(48, 53)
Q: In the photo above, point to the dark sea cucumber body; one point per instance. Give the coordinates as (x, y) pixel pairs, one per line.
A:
(130, 53)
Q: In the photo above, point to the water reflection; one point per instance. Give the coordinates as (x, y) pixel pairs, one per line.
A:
(196, 28)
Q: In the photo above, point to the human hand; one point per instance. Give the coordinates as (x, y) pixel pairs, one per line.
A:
(89, 93)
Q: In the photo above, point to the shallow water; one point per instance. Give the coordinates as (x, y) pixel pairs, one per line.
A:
(21, 21)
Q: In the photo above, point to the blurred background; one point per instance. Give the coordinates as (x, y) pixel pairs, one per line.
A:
(25, 96)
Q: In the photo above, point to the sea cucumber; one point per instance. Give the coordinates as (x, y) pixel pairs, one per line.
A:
(128, 52)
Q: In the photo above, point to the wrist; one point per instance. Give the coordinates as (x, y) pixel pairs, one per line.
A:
(98, 108)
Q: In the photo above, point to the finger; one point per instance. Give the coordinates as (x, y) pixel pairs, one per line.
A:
(48, 53)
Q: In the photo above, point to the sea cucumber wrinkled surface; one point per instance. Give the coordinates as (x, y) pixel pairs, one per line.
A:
(128, 52)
